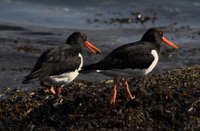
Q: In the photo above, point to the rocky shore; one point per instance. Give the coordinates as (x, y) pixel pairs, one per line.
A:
(167, 101)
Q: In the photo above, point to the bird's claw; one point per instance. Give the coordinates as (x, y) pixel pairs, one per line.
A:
(52, 91)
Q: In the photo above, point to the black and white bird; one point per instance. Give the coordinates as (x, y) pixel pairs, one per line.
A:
(134, 60)
(59, 66)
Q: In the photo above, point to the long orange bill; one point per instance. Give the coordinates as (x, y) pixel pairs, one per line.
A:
(92, 48)
(166, 41)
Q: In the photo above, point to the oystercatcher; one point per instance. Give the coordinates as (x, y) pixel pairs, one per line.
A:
(135, 59)
(59, 66)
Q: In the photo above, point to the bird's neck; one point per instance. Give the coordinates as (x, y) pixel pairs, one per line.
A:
(76, 46)
(157, 46)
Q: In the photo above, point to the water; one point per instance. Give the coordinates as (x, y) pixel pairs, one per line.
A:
(75, 14)
(108, 24)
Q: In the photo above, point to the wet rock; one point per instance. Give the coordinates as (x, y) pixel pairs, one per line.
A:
(11, 27)
(134, 18)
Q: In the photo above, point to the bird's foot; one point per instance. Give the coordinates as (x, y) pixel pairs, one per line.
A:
(113, 95)
(113, 99)
(52, 91)
(128, 90)
(59, 91)
(129, 94)
(131, 97)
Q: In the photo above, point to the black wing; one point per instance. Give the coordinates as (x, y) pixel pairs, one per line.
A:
(55, 61)
(128, 56)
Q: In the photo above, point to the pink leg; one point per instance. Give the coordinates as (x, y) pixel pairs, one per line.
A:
(52, 91)
(59, 91)
(114, 93)
(128, 90)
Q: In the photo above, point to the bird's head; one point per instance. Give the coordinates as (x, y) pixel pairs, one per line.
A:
(79, 39)
(156, 36)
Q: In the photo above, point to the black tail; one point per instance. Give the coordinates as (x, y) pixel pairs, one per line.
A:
(33, 76)
(28, 79)
(89, 68)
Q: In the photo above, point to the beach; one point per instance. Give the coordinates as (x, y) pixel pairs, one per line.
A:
(166, 99)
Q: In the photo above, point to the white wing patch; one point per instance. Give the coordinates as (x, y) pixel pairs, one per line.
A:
(152, 66)
(70, 76)
(81, 64)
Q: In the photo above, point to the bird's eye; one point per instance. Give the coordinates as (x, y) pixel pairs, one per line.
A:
(161, 33)
(84, 37)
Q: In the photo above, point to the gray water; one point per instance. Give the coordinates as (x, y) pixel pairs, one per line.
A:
(108, 24)
(75, 14)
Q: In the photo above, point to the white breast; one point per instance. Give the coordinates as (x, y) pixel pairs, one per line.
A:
(70, 76)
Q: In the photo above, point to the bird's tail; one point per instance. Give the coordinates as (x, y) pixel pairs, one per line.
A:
(28, 79)
(89, 68)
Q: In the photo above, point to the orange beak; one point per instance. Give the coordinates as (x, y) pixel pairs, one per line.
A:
(166, 41)
(92, 48)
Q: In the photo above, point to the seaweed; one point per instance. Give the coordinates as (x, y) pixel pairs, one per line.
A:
(168, 101)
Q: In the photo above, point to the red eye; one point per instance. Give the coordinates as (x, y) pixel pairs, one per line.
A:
(161, 33)
(84, 37)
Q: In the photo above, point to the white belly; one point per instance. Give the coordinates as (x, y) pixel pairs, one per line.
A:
(66, 77)
(70, 76)
(124, 72)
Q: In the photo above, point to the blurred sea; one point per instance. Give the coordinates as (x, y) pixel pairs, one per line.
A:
(108, 24)
(80, 14)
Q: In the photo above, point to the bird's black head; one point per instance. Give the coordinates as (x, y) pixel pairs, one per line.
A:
(78, 39)
(155, 36)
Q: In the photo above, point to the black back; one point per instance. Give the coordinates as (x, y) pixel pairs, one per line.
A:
(58, 60)
(136, 55)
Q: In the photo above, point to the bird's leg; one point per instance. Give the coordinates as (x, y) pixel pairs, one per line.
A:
(52, 91)
(59, 90)
(114, 92)
(128, 90)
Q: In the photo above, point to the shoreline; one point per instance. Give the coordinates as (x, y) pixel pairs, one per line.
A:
(20, 46)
